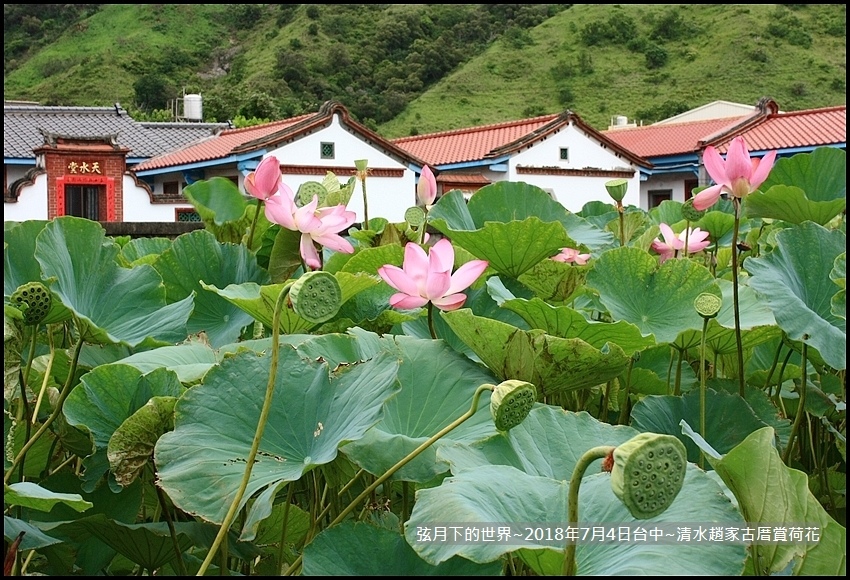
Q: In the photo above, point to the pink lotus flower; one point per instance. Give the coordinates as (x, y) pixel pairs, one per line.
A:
(739, 175)
(320, 226)
(697, 241)
(264, 181)
(571, 256)
(425, 278)
(426, 189)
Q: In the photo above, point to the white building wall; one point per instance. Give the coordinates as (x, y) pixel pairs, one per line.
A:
(584, 153)
(31, 204)
(388, 197)
(675, 182)
(138, 207)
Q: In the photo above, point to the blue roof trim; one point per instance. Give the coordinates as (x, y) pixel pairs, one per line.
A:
(230, 159)
(18, 161)
(476, 163)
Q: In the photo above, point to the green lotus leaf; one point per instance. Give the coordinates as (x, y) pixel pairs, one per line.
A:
(285, 255)
(548, 443)
(33, 538)
(361, 549)
(504, 494)
(821, 174)
(20, 265)
(791, 280)
(196, 259)
(149, 545)
(719, 225)
(839, 276)
(511, 248)
(657, 299)
(431, 397)
(598, 213)
(32, 495)
(550, 363)
(225, 211)
(190, 361)
(554, 281)
(565, 322)
(790, 204)
(667, 212)
(114, 304)
(771, 493)
(452, 209)
(143, 250)
(259, 301)
(131, 445)
(202, 461)
(729, 419)
(106, 397)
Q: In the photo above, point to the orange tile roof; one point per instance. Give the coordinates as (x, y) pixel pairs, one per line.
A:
(470, 144)
(808, 128)
(217, 146)
(669, 139)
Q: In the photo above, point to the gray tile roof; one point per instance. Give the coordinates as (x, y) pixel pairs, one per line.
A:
(22, 124)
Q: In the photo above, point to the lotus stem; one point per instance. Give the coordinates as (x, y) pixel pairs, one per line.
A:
(702, 388)
(46, 375)
(622, 223)
(735, 306)
(258, 435)
(431, 321)
(591, 455)
(677, 387)
(767, 386)
(624, 411)
(404, 461)
(66, 390)
(181, 566)
(801, 406)
(254, 224)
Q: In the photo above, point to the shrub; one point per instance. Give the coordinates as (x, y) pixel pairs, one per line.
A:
(656, 56)
(312, 11)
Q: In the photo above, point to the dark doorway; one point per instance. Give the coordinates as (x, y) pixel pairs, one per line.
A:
(85, 201)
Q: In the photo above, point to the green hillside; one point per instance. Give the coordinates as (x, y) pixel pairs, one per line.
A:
(417, 68)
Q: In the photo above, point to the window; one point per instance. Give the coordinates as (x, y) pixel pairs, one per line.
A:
(690, 186)
(326, 151)
(656, 196)
(171, 188)
(83, 201)
(187, 215)
(565, 153)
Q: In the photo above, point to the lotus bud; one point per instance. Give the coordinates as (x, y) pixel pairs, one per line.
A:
(511, 403)
(708, 305)
(648, 473)
(34, 300)
(617, 189)
(690, 213)
(426, 189)
(316, 296)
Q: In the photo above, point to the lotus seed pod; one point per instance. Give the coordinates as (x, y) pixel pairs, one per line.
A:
(34, 300)
(617, 188)
(708, 305)
(690, 213)
(511, 403)
(306, 192)
(415, 216)
(316, 296)
(648, 473)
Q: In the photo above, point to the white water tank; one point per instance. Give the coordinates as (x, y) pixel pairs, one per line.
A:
(621, 120)
(193, 108)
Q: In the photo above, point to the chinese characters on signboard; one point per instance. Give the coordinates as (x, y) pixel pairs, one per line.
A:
(84, 167)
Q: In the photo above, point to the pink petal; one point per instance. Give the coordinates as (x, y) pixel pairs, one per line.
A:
(415, 262)
(405, 302)
(279, 211)
(738, 160)
(715, 165)
(395, 277)
(437, 284)
(335, 242)
(450, 302)
(309, 253)
(707, 197)
(670, 238)
(464, 277)
(442, 256)
(760, 173)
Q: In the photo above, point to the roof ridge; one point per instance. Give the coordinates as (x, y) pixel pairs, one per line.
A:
(290, 120)
(475, 128)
